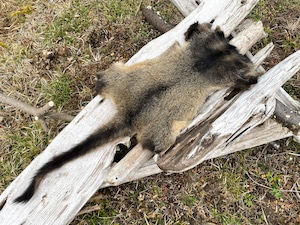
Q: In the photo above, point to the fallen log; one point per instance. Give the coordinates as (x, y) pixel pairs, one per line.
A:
(222, 127)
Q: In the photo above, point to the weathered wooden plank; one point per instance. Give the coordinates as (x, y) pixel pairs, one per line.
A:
(72, 185)
(248, 37)
(186, 7)
(268, 132)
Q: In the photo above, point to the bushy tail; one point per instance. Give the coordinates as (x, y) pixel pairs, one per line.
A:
(102, 136)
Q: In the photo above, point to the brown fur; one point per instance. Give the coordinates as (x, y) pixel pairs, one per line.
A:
(157, 98)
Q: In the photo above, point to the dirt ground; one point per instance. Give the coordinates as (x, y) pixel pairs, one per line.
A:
(52, 51)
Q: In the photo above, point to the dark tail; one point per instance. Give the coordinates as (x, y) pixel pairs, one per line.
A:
(102, 136)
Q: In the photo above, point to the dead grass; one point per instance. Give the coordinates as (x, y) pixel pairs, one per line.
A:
(51, 51)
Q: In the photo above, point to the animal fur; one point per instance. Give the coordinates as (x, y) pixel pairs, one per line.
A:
(157, 98)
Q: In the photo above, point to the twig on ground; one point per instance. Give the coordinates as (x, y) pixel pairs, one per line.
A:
(155, 20)
(90, 209)
(38, 113)
(264, 215)
(264, 186)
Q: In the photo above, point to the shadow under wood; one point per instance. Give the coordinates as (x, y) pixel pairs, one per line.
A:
(123, 149)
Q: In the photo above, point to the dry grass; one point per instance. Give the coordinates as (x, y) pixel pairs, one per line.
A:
(51, 51)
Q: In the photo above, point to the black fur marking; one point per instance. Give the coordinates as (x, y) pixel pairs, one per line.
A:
(193, 28)
(149, 96)
(82, 148)
(28, 193)
(232, 47)
(220, 33)
(203, 64)
(208, 61)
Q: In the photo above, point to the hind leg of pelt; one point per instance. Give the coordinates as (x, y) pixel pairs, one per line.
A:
(156, 138)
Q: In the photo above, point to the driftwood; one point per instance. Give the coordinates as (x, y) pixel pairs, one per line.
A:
(222, 127)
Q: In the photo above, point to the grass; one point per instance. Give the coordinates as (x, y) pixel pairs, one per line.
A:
(226, 219)
(189, 200)
(118, 11)
(104, 215)
(74, 19)
(266, 11)
(22, 12)
(59, 90)
(86, 37)
(24, 145)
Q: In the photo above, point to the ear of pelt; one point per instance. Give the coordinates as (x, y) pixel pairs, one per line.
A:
(219, 32)
(190, 31)
(100, 83)
(196, 28)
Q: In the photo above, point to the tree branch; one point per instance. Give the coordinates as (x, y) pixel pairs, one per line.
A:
(287, 117)
(38, 113)
(155, 20)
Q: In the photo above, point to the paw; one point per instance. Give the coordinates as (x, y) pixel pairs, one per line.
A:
(244, 83)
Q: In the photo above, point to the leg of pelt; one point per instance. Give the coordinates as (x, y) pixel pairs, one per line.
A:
(156, 138)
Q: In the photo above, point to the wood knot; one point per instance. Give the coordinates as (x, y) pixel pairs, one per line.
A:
(208, 140)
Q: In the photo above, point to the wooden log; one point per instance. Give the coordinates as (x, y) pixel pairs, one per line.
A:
(72, 185)
(248, 37)
(133, 161)
(186, 7)
(155, 20)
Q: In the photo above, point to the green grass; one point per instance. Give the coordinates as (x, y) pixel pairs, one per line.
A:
(24, 10)
(105, 214)
(236, 185)
(270, 179)
(189, 200)
(19, 15)
(24, 146)
(291, 43)
(120, 10)
(275, 182)
(59, 90)
(226, 219)
(265, 12)
(249, 199)
(74, 19)
(259, 10)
